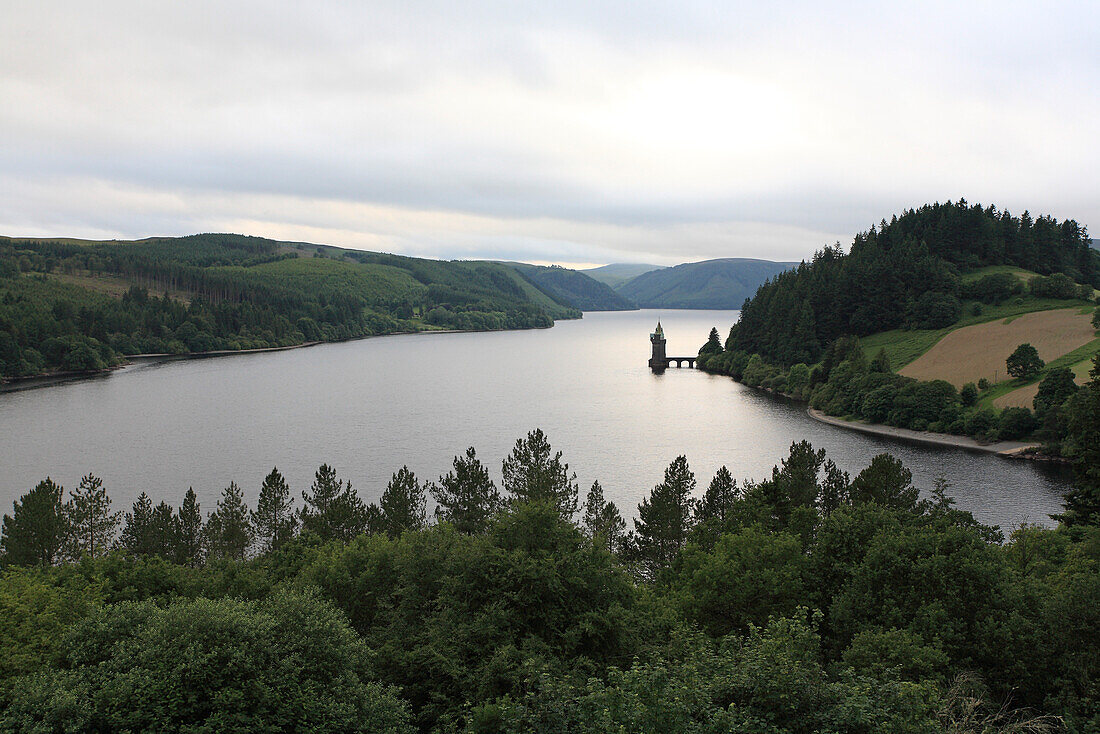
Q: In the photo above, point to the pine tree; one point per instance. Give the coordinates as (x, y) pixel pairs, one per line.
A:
(91, 524)
(374, 522)
(713, 345)
(403, 503)
(188, 540)
(466, 497)
(834, 490)
(792, 485)
(137, 531)
(531, 474)
(1082, 444)
(886, 482)
(664, 520)
(33, 534)
(333, 510)
(719, 499)
(274, 520)
(602, 521)
(228, 532)
(163, 528)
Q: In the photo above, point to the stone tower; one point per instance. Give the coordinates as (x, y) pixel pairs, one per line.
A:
(658, 362)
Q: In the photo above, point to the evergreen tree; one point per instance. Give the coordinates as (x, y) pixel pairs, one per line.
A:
(466, 497)
(188, 538)
(602, 521)
(163, 529)
(228, 532)
(719, 499)
(1082, 444)
(332, 510)
(374, 521)
(403, 503)
(138, 534)
(834, 489)
(33, 534)
(532, 475)
(274, 520)
(793, 484)
(714, 343)
(1054, 390)
(664, 520)
(91, 524)
(887, 482)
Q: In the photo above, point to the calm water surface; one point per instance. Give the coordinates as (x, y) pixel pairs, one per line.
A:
(369, 406)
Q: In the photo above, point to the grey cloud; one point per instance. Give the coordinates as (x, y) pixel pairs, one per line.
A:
(819, 119)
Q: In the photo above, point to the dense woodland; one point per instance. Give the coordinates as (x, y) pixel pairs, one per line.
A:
(229, 292)
(904, 273)
(799, 335)
(809, 601)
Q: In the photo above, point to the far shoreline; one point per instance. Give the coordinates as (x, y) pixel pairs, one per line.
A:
(36, 382)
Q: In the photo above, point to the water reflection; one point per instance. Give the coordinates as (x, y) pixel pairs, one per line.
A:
(370, 406)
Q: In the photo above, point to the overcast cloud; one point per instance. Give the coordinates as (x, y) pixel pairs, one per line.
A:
(570, 132)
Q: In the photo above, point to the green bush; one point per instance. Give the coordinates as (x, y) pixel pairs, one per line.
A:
(1015, 423)
(222, 665)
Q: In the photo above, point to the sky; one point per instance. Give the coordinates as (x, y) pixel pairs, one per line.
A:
(578, 133)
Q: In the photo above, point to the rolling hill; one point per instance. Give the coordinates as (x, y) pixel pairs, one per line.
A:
(913, 326)
(76, 306)
(717, 284)
(616, 274)
(574, 288)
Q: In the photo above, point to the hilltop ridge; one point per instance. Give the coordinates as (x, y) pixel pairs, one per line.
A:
(723, 283)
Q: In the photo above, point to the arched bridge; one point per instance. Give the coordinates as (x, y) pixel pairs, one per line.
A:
(680, 360)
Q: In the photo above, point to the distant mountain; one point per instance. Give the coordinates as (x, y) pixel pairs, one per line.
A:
(719, 284)
(573, 288)
(616, 274)
(1095, 244)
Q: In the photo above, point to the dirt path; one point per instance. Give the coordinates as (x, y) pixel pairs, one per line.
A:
(1004, 448)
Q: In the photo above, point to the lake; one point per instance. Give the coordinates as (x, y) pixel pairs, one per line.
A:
(368, 407)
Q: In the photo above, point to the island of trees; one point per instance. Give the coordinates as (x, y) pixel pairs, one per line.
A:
(808, 601)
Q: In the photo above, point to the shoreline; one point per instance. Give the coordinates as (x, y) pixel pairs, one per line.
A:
(1010, 449)
(35, 382)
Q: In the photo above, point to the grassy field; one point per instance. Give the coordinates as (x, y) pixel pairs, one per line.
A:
(973, 352)
(1020, 273)
(1010, 394)
(904, 346)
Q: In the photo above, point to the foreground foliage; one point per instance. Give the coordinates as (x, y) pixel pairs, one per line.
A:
(809, 601)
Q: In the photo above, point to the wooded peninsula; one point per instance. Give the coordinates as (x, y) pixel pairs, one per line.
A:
(931, 323)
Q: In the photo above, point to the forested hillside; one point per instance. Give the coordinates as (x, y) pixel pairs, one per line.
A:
(905, 273)
(69, 305)
(712, 284)
(615, 274)
(806, 601)
(574, 288)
